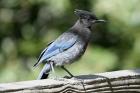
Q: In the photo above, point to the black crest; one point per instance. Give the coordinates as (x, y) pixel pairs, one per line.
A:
(85, 14)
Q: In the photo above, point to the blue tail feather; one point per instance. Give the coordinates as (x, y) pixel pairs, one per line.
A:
(44, 72)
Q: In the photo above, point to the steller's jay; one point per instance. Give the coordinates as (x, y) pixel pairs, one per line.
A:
(68, 47)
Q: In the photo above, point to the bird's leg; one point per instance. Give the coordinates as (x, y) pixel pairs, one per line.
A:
(51, 63)
(52, 68)
(67, 71)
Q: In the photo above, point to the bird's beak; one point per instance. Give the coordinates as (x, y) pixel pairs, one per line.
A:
(99, 21)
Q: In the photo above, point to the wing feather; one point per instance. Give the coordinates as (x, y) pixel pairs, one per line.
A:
(55, 48)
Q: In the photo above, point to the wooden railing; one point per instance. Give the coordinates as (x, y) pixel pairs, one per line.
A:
(125, 81)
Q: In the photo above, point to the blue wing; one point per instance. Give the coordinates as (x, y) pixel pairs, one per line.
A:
(56, 48)
(43, 51)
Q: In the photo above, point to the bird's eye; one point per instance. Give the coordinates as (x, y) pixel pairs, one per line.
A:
(88, 19)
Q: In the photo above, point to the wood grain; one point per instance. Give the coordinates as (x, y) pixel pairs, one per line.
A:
(125, 81)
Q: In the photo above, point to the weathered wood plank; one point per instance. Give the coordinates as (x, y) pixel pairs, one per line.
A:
(125, 81)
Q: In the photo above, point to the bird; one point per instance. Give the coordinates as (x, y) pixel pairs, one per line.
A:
(70, 46)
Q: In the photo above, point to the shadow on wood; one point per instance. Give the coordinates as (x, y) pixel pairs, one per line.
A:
(125, 81)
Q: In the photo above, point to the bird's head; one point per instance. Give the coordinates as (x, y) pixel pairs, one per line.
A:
(87, 18)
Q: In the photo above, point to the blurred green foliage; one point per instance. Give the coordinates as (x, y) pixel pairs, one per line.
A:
(27, 26)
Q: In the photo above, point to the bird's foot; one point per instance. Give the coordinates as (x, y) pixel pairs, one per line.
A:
(68, 77)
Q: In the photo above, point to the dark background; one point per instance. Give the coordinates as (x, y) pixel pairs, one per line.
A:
(26, 26)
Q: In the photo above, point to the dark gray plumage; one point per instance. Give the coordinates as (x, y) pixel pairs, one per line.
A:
(70, 46)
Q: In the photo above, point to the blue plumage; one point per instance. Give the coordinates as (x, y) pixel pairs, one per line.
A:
(44, 72)
(55, 48)
(68, 47)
